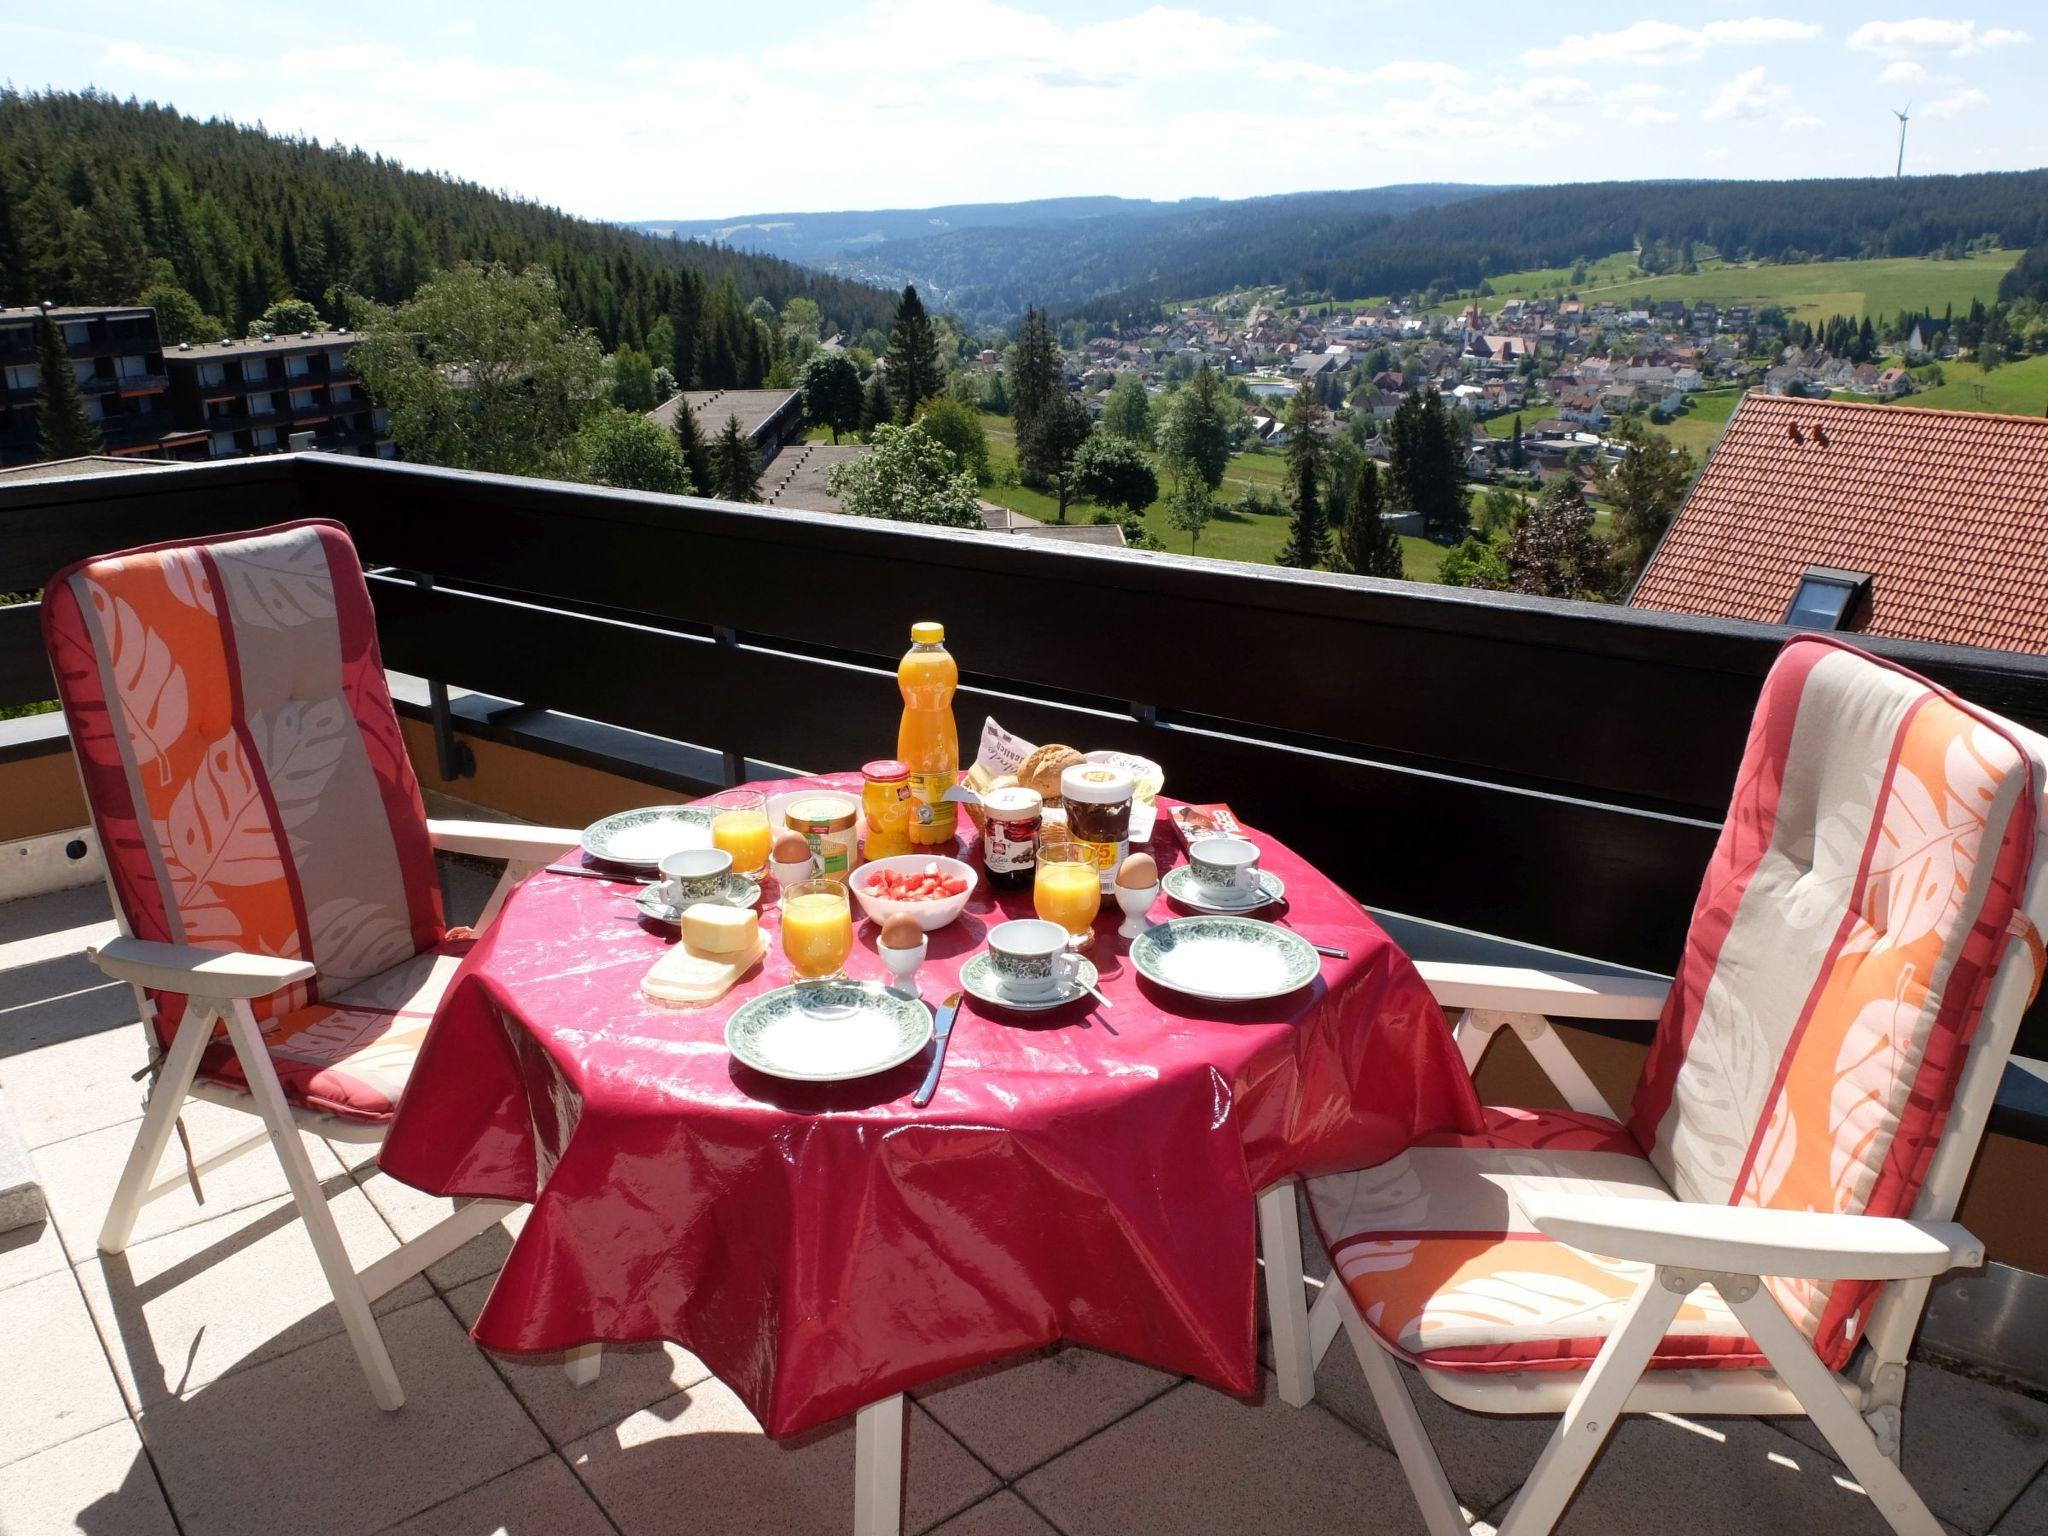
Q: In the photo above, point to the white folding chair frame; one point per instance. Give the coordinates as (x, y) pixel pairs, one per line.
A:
(1858, 1411)
(219, 987)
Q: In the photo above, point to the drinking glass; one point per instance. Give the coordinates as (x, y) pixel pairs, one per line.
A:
(817, 930)
(1067, 890)
(739, 825)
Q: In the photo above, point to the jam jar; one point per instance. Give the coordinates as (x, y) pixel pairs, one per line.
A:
(885, 803)
(1098, 800)
(1009, 839)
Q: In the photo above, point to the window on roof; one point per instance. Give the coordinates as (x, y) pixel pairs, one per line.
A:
(1825, 598)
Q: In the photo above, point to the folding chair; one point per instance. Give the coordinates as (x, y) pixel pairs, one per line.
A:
(1759, 1235)
(270, 862)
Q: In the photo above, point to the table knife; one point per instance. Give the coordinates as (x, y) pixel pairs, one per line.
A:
(597, 874)
(942, 1031)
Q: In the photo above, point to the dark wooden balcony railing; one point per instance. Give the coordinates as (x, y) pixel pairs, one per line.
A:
(1550, 772)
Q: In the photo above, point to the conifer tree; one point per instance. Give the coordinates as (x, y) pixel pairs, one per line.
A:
(1368, 545)
(691, 445)
(1308, 534)
(1038, 372)
(67, 432)
(735, 467)
(875, 407)
(912, 358)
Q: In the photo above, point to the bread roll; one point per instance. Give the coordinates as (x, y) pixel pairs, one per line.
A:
(1041, 770)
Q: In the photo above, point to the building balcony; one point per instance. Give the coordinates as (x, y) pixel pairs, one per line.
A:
(1496, 777)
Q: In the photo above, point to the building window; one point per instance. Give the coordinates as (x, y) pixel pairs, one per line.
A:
(256, 370)
(84, 371)
(263, 405)
(265, 437)
(1826, 598)
(211, 375)
(77, 333)
(131, 367)
(24, 376)
(297, 367)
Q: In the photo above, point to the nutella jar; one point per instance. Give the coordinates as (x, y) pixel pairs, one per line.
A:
(1009, 839)
(1098, 800)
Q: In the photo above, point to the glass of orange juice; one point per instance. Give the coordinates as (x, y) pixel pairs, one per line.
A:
(817, 930)
(1068, 890)
(739, 825)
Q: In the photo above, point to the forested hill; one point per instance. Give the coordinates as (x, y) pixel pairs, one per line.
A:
(96, 194)
(1458, 244)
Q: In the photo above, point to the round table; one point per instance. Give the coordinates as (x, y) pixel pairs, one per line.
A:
(1083, 1175)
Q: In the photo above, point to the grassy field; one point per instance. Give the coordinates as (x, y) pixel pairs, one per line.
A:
(1503, 426)
(2015, 389)
(1698, 426)
(1813, 292)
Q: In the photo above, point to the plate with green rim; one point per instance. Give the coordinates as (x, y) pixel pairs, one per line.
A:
(642, 839)
(734, 891)
(828, 1032)
(1225, 959)
(1183, 888)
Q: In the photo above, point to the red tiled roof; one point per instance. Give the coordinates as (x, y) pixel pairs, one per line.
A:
(1947, 511)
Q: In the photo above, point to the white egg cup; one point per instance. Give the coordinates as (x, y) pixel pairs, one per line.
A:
(1136, 902)
(902, 964)
(794, 872)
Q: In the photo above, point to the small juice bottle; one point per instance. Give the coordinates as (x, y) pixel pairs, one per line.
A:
(927, 741)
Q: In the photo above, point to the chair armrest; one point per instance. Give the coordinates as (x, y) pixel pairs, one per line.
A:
(1752, 1240)
(502, 840)
(217, 975)
(1558, 994)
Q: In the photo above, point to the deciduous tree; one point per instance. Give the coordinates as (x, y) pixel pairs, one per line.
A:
(1191, 504)
(908, 476)
(621, 447)
(1197, 426)
(1047, 444)
(1647, 487)
(1554, 550)
(633, 380)
(1127, 410)
(1111, 472)
(958, 429)
(831, 391)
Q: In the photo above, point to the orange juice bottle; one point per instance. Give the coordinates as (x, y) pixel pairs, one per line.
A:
(927, 741)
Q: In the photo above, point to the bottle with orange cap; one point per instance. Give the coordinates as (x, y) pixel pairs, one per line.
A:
(927, 742)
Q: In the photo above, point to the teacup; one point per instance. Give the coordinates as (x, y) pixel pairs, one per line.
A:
(694, 874)
(1228, 866)
(1030, 958)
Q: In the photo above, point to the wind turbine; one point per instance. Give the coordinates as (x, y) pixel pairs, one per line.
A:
(1900, 170)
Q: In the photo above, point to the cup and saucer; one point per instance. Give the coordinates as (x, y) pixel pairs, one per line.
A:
(1222, 874)
(691, 875)
(1028, 968)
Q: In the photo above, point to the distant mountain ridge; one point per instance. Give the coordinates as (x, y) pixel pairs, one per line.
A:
(986, 261)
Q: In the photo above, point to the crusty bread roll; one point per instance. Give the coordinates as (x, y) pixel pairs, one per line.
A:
(1041, 770)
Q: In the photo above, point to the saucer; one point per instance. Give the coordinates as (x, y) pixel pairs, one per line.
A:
(738, 891)
(1182, 886)
(978, 979)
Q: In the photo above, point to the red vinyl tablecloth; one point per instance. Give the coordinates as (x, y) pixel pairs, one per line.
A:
(1082, 1175)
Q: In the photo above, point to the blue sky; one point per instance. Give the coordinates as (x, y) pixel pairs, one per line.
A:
(620, 110)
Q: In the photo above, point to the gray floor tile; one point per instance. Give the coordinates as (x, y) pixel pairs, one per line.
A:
(79, 1176)
(1002, 1514)
(58, 1384)
(99, 1484)
(1714, 1477)
(187, 1308)
(632, 1378)
(541, 1498)
(1970, 1448)
(77, 1085)
(1020, 1416)
(1196, 1460)
(28, 1253)
(1485, 1456)
(703, 1452)
(296, 1444)
(411, 1212)
(2029, 1513)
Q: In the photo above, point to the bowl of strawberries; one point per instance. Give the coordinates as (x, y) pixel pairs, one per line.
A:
(929, 888)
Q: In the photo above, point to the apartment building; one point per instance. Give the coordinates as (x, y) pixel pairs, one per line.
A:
(273, 393)
(118, 361)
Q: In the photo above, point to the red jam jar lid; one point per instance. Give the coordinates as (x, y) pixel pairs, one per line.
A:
(884, 769)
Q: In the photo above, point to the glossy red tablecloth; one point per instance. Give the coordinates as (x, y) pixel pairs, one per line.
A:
(1082, 1175)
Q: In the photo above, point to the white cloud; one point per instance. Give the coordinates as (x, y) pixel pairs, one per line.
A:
(456, 29)
(1901, 72)
(1930, 34)
(1750, 94)
(1803, 120)
(1666, 42)
(1409, 71)
(1645, 116)
(136, 59)
(1956, 103)
(1715, 155)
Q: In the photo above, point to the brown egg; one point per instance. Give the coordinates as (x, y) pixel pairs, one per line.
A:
(790, 848)
(901, 932)
(1139, 871)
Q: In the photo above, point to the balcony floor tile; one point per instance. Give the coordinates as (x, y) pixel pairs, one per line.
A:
(100, 1483)
(541, 1498)
(58, 1384)
(1020, 1416)
(1001, 1514)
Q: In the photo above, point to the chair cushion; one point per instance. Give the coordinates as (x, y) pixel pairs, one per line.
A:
(244, 766)
(350, 1058)
(1864, 887)
(1449, 1274)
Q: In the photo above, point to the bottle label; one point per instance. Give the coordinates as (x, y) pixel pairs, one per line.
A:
(1107, 858)
(1011, 845)
(927, 794)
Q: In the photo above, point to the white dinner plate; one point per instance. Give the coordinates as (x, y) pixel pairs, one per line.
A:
(828, 1032)
(1225, 959)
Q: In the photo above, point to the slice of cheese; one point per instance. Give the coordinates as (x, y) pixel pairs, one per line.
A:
(687, 977)
(711, 929)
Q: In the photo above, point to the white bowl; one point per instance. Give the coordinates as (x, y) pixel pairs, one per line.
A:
(930, 915)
